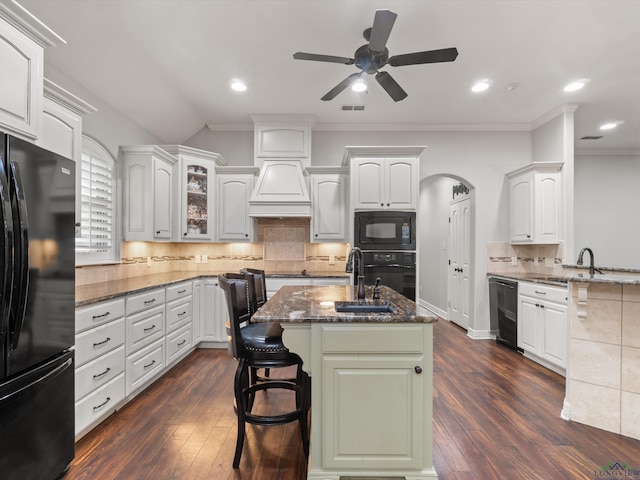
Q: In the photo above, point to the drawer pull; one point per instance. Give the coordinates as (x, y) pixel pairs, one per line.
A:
(147, 302)
(153, 362)
(181, 291)
(98, 407)
(540, 293)
(102, 343)
(95, 377)
(150, 328)
(101, 316)
(181, 314)
(182, 343)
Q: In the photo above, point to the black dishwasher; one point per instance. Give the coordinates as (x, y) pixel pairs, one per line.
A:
(503, 306)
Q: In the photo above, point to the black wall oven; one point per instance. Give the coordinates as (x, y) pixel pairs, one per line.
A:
(396, 270)
(387, 230)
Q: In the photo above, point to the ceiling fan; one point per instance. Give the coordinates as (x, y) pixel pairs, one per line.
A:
(372, 57)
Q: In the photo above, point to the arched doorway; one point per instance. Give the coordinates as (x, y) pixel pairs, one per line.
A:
(446, 229)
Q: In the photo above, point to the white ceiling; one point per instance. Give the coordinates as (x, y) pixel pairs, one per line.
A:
(167, 64)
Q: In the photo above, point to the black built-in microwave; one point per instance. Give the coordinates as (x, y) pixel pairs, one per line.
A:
(385, 230)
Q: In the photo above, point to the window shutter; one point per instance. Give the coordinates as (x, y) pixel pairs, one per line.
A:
(96, 198)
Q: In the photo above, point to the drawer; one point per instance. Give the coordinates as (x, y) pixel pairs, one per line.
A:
(177, 312)
(99, 372)
(98, 341)
(98, 314)
(178, 344)
(178, 291)
(142, 301)
(142, 366)
(375, 339)
(144, 328)
(99, 404)
(544, 292)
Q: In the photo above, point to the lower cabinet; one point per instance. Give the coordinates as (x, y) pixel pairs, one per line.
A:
(274, 284)
(543, 324)
(100, 362)
(375, 398)
(214, 313)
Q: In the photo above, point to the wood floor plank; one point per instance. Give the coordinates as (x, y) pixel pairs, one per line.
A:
(496, 416)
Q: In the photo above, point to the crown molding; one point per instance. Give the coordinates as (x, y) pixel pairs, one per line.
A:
(67, 99)
(553, 113)
(23, 20)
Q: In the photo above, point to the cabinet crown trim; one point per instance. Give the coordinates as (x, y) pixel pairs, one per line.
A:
(537, 167)
(19, 17)
(383, 151)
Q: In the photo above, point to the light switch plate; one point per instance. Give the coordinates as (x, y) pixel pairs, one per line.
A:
(205, 258)
(514, 260)
(332, 259)
(197, 258)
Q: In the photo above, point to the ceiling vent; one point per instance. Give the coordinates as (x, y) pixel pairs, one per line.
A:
(352, 108)
(591, 137)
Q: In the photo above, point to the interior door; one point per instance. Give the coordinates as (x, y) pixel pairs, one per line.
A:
(459, 290)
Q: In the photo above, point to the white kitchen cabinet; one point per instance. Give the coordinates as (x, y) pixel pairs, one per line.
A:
(99, 362)
(535, 203)
(148, 193)
(233, 193)
(542, 324)
(179, 314)
(195, 213)
(329, 208)
(274, 284)
(62, 122)
(145, 337)
(214, 312)
(282, 136)
(196, 312)
(375, 398)
(384, 183)
(22, 42)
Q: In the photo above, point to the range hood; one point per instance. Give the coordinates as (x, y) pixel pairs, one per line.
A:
(281, 190)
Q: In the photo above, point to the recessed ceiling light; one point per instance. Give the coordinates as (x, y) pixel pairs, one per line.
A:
(609, 126)
(238, 85)
(575, 85)
(359, 86)
(480, 86)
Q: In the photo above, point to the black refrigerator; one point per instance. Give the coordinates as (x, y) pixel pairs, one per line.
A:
(37, 311)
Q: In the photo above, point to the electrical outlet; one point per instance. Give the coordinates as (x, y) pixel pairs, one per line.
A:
(332, 259)
(549, 262)
(535, 260)
(205, 258)
(197, 258)
(148, 261)
(514, 260)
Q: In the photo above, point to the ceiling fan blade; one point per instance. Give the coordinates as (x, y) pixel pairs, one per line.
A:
(322, 58)
(391, 86)
(431, 56)
(341, 86)
(382, 25)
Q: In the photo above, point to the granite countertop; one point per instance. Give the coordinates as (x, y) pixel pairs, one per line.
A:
(614, 279)
(315, 304)
(98, 292)
(562, 280)
(551, 279)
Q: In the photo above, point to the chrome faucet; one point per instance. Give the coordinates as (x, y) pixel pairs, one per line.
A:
(356, 252)
(592, 268)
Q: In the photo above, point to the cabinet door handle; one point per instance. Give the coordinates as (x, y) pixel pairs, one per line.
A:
(418, 369)
(540, 293)
(181, 314)
(147, 302)
(98, 407)
(541, 306)
(150, 328)
(182, 343)
(102, 343)
(157, 232)
(95, 317)
(95, 377)
(181, 291)
(153, 362)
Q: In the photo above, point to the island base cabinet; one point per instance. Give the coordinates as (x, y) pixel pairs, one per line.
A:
(371, 399)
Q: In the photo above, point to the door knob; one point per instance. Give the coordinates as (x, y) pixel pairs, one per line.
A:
(418, 369)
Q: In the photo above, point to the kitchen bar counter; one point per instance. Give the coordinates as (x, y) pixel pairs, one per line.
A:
(372, 381)
(98, 292)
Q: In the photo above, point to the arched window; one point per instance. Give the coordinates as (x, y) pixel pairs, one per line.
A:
(96, 205)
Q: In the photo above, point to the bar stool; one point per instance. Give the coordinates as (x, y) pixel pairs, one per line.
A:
(254, 350)
(260, 284)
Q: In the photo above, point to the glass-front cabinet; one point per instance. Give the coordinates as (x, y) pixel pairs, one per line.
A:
(197, 190)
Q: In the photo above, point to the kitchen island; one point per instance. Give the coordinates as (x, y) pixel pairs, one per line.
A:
(371, 381)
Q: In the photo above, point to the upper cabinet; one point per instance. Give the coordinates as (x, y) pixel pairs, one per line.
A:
(234, 187)
(22, 42)
(535, 203)
(195, 212)
(329, 205)
(62, 121)
(384, 183)
(282, 136)
(149, 173)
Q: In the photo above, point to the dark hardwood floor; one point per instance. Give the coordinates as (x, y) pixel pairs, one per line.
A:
(496, 416)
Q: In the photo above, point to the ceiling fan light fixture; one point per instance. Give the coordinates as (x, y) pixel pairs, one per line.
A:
(481, 86)
(238, 85)
(609, 126)
(359, 86)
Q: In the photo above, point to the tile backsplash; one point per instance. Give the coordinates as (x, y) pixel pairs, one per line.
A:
(281, 246)
(529, 258)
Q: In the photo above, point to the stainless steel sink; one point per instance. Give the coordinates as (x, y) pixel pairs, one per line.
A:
(364, 306)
